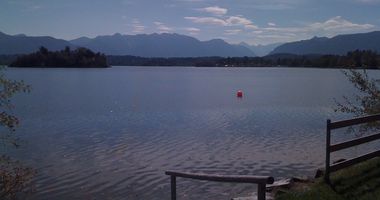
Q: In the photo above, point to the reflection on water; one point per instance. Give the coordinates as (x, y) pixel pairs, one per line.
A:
(111, 133)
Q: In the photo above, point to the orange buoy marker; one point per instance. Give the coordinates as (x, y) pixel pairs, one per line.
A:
(239, 94)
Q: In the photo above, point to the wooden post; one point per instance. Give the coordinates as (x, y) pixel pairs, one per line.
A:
(173, 187)
(261, 189)
(328, 142)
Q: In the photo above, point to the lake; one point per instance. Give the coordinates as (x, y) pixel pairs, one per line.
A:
(111, 133)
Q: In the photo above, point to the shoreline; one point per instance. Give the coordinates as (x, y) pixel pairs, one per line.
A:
(169, 66)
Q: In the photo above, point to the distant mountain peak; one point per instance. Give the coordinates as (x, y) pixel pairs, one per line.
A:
(217, 41)
(117, 34)
(338, 45)
(84, 37)
(316, 38)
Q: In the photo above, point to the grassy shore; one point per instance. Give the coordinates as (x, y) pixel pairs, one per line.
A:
(359, 182)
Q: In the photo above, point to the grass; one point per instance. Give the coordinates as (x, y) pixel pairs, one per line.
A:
(359, 182)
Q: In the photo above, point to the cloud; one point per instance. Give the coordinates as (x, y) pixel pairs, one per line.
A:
(240, 27)
(232, 31)
(215, 10)
(240, 21)
(338, 24)
(330, 27)
(26, 5)
(272, 5)
(227, 21)
(207, 20)
(192, 30)
(237, 20)
(162, 28)
(137, 26)
(368, 1)
(257, 32)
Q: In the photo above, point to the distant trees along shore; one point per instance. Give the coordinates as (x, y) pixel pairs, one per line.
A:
(355, 59)
(80, 57)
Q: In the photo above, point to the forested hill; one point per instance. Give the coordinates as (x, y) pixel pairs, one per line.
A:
(78, 58)
(338, 45)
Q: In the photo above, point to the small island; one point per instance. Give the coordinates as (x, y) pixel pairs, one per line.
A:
(67, 58)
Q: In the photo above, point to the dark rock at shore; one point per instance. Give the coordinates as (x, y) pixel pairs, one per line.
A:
(319, 173)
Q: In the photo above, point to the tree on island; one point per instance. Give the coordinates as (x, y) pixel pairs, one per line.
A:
(78, 58)
(15, 179)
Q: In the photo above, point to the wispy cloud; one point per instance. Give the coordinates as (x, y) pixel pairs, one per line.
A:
(338, 24)
(26, 5)
(162, 28)
(215, 10)
(368, 1)
(137, 26)
(272, 4)
(207, 20)
(240, 21)
(226, 21)
(192, 30)
(237, 20)
(232, 31)
(330, 27)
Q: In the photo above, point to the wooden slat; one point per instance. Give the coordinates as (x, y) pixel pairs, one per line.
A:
(351, 143)
(224, 178)
(173, 187)
(355, 121)
(353, 161)
(328, 142)
(261, 190)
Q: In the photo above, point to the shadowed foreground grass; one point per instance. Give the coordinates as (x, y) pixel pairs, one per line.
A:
(359, 182)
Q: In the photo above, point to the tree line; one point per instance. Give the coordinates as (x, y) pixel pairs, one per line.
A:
(80, 57)
(365, 59)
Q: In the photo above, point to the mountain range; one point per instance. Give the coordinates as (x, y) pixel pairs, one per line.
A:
(176, 45)
(338, 45)
(22, 44)
(145, 45)
(161, 45)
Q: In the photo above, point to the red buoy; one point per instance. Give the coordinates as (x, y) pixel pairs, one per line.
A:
(239, 93)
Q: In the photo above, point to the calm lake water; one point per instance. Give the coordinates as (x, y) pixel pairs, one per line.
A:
(111, 133)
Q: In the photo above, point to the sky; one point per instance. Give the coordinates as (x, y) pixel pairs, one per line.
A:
(235, 21)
